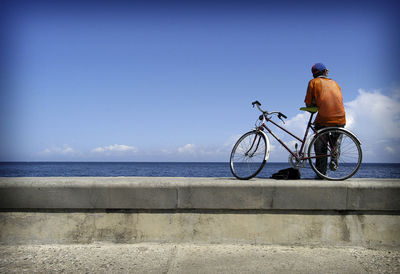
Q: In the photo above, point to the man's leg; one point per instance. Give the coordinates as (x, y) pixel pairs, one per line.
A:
(335, 150)
(321, 148)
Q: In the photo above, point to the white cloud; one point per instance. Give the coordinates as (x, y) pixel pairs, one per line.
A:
(198, 152)
(188, 148)
(373, 114)
(375, 118)
(390, 149)
(115, 149)
(65, 150)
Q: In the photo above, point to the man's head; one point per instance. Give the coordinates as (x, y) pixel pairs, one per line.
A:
(319, 69)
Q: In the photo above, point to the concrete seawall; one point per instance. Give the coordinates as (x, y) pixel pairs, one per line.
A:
(361, 212)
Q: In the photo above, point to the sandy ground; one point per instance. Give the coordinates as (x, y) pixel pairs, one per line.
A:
(192, 258)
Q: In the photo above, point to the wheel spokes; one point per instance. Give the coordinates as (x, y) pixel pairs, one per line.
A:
(248, 155)
(342, 157)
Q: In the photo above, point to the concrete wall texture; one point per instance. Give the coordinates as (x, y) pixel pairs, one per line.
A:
(361, 212)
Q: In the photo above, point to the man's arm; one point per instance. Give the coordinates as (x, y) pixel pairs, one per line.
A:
(310, 98)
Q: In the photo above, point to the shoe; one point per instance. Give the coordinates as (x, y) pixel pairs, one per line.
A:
(333, 165)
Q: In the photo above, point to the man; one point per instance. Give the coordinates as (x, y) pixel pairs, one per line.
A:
(325, 93)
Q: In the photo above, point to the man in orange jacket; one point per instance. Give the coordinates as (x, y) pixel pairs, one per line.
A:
(325, 93)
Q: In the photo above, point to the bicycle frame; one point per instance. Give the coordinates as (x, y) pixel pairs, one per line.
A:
(302, 141)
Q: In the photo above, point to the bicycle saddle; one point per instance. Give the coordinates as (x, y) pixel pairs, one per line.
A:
(310, 109)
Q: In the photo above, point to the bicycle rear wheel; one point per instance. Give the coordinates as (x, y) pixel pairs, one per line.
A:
(335, 154)
(248, 155)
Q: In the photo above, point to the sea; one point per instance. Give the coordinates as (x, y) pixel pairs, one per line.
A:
(166, 169)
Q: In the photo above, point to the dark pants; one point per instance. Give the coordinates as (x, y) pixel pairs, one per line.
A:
(321, 148)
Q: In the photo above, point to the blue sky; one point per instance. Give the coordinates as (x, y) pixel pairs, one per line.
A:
(173, 81)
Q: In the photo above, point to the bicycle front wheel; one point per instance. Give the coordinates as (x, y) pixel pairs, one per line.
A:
(335, 154)
(248, 155)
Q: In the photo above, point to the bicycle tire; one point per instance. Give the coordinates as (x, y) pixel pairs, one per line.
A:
(248, 155)
(343, 157)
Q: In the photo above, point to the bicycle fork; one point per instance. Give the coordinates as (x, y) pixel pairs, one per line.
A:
(249, 153)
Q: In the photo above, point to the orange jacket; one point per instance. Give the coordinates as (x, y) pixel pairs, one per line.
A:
(326, 94)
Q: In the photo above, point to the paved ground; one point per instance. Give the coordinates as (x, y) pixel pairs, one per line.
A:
(190, 258)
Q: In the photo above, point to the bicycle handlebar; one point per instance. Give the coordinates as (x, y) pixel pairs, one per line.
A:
(258, 104)
(283, 115)
(280, 114)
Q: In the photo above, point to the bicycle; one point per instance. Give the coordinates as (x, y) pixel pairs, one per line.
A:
(335, 145)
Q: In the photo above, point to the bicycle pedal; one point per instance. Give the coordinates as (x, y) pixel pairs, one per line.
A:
(333, 166)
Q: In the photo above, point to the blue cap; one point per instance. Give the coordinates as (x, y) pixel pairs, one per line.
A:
(318, 67)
